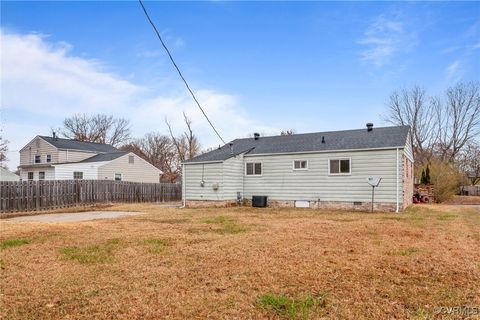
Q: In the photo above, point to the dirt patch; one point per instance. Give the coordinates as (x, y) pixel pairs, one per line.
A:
(284, 263)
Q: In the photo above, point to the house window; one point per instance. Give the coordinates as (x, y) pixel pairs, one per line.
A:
(38, 159)
(300, 165)
(339, 166)
(41, 175)
(118, 177)
(48, 158)
(253, 169)
(77, 175)
(131, 159)
(30, 176)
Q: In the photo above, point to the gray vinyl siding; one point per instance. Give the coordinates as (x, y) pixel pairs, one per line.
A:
(211, 173)
(233, 177)
(280, 182)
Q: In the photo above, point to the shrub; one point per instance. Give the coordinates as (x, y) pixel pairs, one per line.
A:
(446, 179)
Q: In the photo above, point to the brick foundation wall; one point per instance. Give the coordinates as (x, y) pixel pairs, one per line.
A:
(335, 205)
(210, 203)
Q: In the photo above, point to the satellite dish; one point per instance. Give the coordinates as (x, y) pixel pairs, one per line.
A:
(374, 181)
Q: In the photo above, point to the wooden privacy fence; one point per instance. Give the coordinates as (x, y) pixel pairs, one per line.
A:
(470, 190)
(51, 194)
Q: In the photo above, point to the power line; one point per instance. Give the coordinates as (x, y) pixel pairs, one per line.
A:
(178, 70)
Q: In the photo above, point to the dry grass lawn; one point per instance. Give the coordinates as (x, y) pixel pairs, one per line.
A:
(242, 263)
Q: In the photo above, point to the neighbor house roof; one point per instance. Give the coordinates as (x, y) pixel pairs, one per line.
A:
(109, 156)
(385, 137)
(61, 143)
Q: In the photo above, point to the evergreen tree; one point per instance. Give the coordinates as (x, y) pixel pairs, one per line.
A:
(423, 179)
(427, 175)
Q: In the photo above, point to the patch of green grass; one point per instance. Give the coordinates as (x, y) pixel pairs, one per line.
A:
(446, 216)
(226, 225)
(100, 253)
(392, 218)
(216, 220)
(419, 314)
(156, 245)
(404, 252)
(290, 308)
(9, 243)
(166, 221)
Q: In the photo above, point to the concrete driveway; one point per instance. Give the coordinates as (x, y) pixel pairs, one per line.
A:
(73, 217)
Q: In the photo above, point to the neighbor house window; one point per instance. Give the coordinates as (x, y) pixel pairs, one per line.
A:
(300, 165)
(48, 158)
(131, 159)
(118, 177)
(253, 169)
(41, 175)
(77, 175)
(30, 176)
(339, 166)
(38, 159)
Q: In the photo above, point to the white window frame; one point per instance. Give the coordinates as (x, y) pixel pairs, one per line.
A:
(35, 159)
(73, 175)
(299, 169)
(46, 158)
(28, 175)
(44, 175)
(121, 176)
(340, 173)
(133, 159)
(254, 175)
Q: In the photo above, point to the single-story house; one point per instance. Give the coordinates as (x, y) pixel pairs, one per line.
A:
(6, 175)
(316, 170)
(54, 158)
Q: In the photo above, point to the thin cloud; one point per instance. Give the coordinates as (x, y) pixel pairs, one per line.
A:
(454, 71)
(384, 38)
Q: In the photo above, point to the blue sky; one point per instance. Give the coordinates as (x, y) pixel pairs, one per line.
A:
(256, 66)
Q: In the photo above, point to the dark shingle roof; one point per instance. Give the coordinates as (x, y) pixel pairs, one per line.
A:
(105, 156)
(79, 145)
(386, 137)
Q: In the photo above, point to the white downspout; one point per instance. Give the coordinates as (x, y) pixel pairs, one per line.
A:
(397, 184)
(184, 200)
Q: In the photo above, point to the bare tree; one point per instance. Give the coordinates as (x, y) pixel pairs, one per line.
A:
(99, 128)
(160, 151)
(288, 132)
(458, 118)
(412, 107)
(186, 144)
(470, 162)
(3, 151)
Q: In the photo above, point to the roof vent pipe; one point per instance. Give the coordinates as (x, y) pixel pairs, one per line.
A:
(231, 147)
(323, 139)
(54, 136)
(256, 136)
(369, 126)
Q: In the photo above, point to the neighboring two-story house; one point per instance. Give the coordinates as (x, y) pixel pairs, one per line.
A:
(54, 158)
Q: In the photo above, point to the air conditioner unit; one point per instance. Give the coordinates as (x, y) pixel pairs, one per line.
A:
(259, 201)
